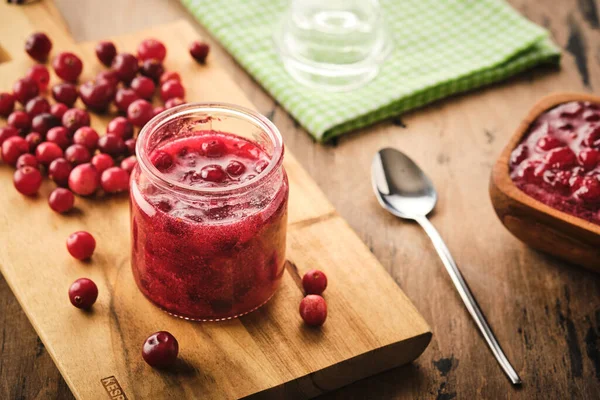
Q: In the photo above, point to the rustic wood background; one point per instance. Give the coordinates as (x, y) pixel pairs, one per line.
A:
(545, 313)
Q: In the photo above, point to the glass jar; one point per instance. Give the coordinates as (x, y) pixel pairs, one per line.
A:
(214, 251)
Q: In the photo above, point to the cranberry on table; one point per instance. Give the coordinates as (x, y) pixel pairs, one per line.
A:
(20, 120)
(33, 139)
(83, 293)
(126, 66)
(59, 171)
(42, 123)
(77, 154)
(109, 76)
(12, 148)
(97, 96)
(124, 98)
(102, 162)
(38, 46)
(170, 75)
(84, 179)
(61, 200)
(75, 118)
(25, 89)
(40, 75)
(121, 127)
(59, 135)
(129, 163)
(65, 93)
(111, 144)
(47, 152)
(313, 310)
(27, 160)
(130, 145)
(114, 180)
(140, 112)
(106, 52)
(67, 66)
(199, 51)
(153, 69)
(314, 282)
(7, 104)
(174, 102)
(81, 245)
(27, 180)
(170, 89)
(7, 132)
(143, 86)
(160, 350)
(58, 110)
(151, 49)
(158, 109)
(86, 136)
(36, 106)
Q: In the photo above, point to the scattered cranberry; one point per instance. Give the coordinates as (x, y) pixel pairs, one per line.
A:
(33, 139)
(25, 89)
(27, 180)
(170, 75)
(42, 123)
(161, 160)
(549, 142)
(313, 310)
(67, 66)
(114, 180)
(236, 168)
(314, 282)
(75, 118)
(213, 173)
(151, 49)
(143, 86)
(124, 98)
(97, 95)
(26, 160)
(171, 89)
(40, 75)
(160, 350)
(129, 163)
(199, 51)
(130, 145)
(59, 135)
(58, 110)
(38, 46)
(83, 293)
(84, 179)
(87, 137)
(158, 109)
(213, 148)
(19, 120)
(153, 69)
(106, 52)
(126, 67)
(12, 148)
(59, 171)
(102, 162)
(561, 158)
(140, 112)
(61, 200)
(65, 93)
(36, 106)
(47, 152)
(109, 76)
(7, 104)
(174, 102)
(121, 127)
(111, 144)
(7, 132)
(77, 154)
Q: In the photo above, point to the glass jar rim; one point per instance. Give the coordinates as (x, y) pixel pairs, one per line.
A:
(223, 109)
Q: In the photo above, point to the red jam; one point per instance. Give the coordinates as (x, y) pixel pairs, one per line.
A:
(210, 243)
(558, 161)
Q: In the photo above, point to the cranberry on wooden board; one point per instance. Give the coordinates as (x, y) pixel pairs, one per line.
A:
(38, 46)
(126, 66)
(170, 75)
(12, 148)
(160, 350)
(151, 49)
(130, 145)
(59, 135)
(129, 163)
(7, 104)
(199, 51)
(59, 171)
(77, 154)
(40, 75)
(86, 136)
(27, 160)
(7, 132)
(83, 293)
(36, 106)
(65, 93)
(314, 282)
(33, 139)
(140, 112)
(313, 310)
(58, 110)
(121, 127)
(109, 76)
(170, 89)
(27, 180)
(25, 89)
(102, 162)
(111, 144)
(20, 120)
(84, 179)
(97, 96)
(75, 118)
(153, 69)
(124, 97)
(143, 86)
(81, 245)
(106, 52)
(114, 180)
(47, 152)
(67, 66)
(61, 200)
(42, 123)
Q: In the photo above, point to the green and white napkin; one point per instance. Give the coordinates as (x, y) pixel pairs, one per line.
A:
(441, 47)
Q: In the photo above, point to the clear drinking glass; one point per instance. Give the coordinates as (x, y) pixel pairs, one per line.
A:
(333, 44)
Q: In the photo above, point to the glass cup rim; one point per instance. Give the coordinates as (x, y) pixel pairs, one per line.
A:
(220, 109)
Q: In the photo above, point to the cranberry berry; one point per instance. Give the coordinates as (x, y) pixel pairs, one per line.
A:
(36, 106)
(109, 76)
(174, 102)
(314, 282)
(59, 135)
(152, 69)
(61, 200)
(214, 148)
(114, 180)
(130, 145)
(65, 93)
(7, 104)
(75, 118)
(102, 162)
(126, 66)
(170, 75)
(7, 132)
(83, 293)
(97, 95)
(589, 158)
(111, 144)
(124, 97)
(313, 310)
(151, 49)
(42, 123)
(58, 110)
(59, 171)
(40, 75)
(67, 66)
(87, 137)
(77, 154)
(143, 86)
(81, 245)
(38, 46)
(12, 148)
(171, 89)
(121, 127)
(213, 173)
(27, 180)
(25, 89)
(129, 163)
(33, 139)
(106, 52)
(160, 350)
(84, 179)
(140, 112)
(27, 160)
(199, 51)
(158, 109)
(19, 120)
(47, 152)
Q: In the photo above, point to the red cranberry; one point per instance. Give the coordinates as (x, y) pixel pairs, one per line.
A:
(548, 143)
(160, 350)
(130, 145)
(60, 136)
(40, 75)
(126, 67)
(235, 168)
(589, 191)
(139, 112)
(83, 293)
(313, 310)
(161, 160)
(121, 127)
(561, 158)
(42, 123)
(75, 118)
(58, 110)
(213, 173)
(153, 69)
(7, 104)
(314, 282)
(97, 95)
(7, 132)
(174, 102)
(111, 144)
(143, 86)
(20, 120)
(109, 76)
(124, 98)
(33, 139)
(47, 152)
(171, 89)
(199, 51)
(38, 46)
(77, 154)
(87, 137)
(102, 162)
(213, 148)
(12, 148)
(65, 93)
(84, 179)
(27, 180)
(158, 109)
(61, 200)
(589, 158)
(26, 160)
(106, 52)
(59, 171)
(25, 89)
(67, 66)
(114, 180)
(151, 49)
(129, 163)
(170, 75)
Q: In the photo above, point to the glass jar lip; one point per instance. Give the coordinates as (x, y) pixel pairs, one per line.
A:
(223, 109)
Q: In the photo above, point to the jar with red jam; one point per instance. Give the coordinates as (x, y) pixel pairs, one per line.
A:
(208, 211)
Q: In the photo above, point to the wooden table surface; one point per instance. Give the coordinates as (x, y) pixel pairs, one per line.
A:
(546, 314)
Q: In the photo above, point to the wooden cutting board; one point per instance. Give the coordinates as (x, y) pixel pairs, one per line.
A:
(371, 327)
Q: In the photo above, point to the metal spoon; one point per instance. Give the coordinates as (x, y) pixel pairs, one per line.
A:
(405, 191)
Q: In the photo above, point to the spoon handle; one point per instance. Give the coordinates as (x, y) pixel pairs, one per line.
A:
(468, 299)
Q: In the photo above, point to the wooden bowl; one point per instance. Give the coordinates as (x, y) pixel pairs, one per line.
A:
(540, 226)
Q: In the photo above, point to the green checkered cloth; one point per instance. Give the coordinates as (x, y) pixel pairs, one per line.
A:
(441, 47)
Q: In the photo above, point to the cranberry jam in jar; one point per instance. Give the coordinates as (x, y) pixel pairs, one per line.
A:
(208, 211)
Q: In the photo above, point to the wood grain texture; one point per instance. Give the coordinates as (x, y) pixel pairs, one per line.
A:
(267, 354)
(545, 313)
